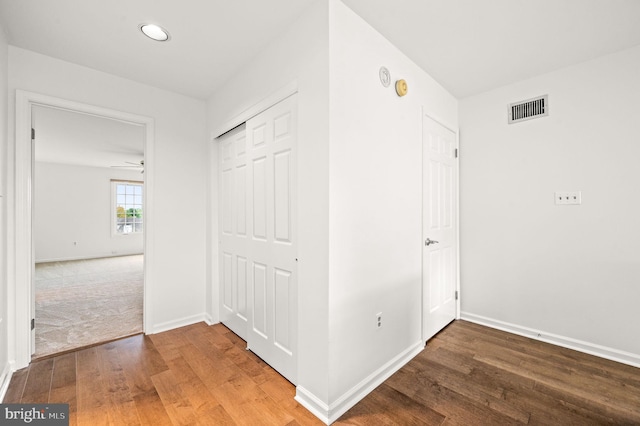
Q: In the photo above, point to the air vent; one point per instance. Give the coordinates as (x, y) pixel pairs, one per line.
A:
(531, 108)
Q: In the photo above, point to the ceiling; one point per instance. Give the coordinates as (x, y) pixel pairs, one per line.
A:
(210, 39)
(469, 46)
(68, 137)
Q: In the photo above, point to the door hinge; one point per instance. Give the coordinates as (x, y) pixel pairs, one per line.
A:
(33, 323)
(456, 294)
(33, 133)
(455, 153)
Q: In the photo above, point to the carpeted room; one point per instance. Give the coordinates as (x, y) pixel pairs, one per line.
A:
(88, 230)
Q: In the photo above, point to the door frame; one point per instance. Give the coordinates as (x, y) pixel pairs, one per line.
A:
(456, 131)
(20, 218)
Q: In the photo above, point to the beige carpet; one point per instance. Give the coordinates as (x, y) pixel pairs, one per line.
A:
(83, 302)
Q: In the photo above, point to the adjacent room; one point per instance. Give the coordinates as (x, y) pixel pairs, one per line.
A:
(87, 229)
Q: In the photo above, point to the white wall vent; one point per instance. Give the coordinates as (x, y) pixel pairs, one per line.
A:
(531, 108)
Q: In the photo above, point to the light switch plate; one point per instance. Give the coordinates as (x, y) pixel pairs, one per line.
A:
(568, 197)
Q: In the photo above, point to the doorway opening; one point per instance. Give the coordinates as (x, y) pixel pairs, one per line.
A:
(88, 223)
(21, 218)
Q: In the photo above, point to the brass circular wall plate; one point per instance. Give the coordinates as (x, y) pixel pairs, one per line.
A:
(401, 87)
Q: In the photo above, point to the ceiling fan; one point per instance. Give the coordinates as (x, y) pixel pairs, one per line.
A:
(138, 165)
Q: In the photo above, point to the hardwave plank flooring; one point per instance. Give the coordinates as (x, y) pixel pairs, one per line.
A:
(202, 375)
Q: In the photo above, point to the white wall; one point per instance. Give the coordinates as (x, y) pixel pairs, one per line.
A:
(359, 179)
(4, 340)
(72, 213)
(375, 214)
(300, 55)
(570, 273)
(180, 161)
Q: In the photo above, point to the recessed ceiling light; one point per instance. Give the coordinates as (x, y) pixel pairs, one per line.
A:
(154, 32)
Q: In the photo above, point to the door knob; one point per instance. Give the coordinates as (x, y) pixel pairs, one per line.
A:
(429, 241)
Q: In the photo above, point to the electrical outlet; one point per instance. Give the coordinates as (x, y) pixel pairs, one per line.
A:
(568, 197)
(379, 320)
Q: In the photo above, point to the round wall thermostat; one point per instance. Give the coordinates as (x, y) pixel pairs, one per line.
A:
(401, 87)
(385, 76)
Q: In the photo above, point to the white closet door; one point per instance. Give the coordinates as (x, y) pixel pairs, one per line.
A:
(232, 154)
(271, 206)
(258, 276)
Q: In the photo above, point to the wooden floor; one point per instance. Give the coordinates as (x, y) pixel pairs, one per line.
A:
(467, 375)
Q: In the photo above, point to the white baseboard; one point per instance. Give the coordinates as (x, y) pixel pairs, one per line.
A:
(5, 379)
(94, 256)
(181, 322)
(316, 406)
(330, 413)
(566, 342)
(209, 320)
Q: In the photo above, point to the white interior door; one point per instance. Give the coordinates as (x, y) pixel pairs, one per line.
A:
(440, 233)
(232, 156)
(271, 201)
(258, 291)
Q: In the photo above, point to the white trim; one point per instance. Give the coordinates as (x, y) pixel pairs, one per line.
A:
(312, 403)
(88, 257)
(20, 217)
(256, 109)
(457, 197)
(422, 272)
(555, 339)
(5, 379)
(441, 122)
(180, 322)
(330, 413)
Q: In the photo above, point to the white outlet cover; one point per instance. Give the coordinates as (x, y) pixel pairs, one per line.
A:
(568, 197)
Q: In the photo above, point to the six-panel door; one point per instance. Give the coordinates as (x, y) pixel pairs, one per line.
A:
(258, 227)
(233, 231)
(439, 224)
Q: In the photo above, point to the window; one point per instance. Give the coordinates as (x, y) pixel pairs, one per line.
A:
(127, 207)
